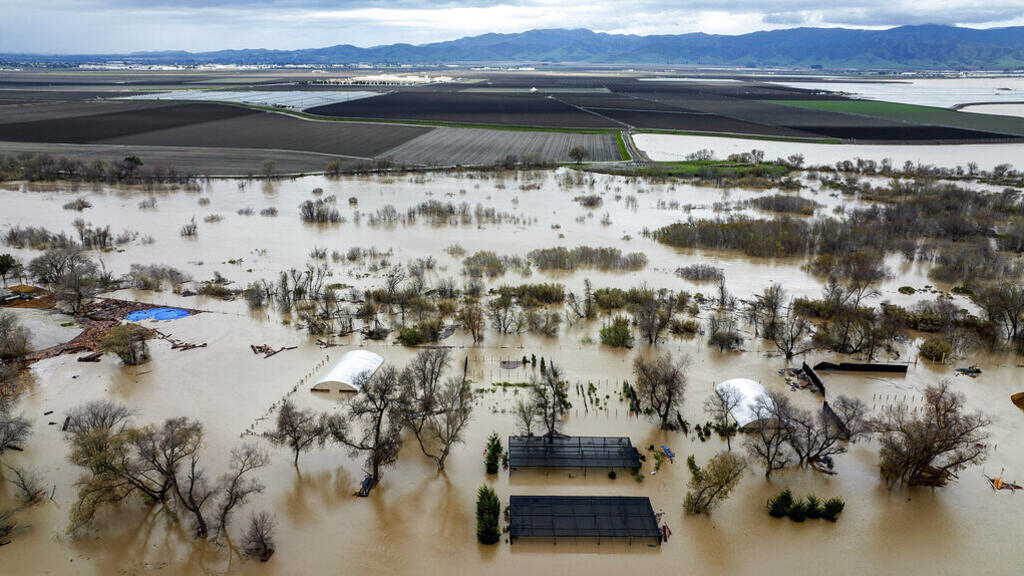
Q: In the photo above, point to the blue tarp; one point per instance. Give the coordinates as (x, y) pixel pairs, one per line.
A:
(157, 314)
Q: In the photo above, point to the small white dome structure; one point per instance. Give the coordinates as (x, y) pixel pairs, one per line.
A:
(749, 391)
(353, 368)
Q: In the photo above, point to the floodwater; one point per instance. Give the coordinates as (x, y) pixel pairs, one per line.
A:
(420, 521)
(940, 92)
(669, 147)
(997, 109)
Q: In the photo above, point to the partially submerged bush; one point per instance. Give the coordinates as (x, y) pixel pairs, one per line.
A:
(936, 348)
(153, 276)
(832, 509)
(618, 334)
(78, 204)
(321, 211)
(128, 342)
(778, 506)
(601, 258)
(700, 273)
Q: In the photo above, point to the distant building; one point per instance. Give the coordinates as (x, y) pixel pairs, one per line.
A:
(391, 80)
(350, 372)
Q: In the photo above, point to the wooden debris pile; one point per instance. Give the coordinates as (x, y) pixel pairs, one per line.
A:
(179, 345)
(268, 350)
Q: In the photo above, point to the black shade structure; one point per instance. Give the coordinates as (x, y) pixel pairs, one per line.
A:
(572, 452)
(582, 517)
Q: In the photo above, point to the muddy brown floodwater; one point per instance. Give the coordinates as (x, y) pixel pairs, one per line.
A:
(420, 521)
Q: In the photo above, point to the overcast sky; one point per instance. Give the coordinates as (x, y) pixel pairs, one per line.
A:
(97, 26)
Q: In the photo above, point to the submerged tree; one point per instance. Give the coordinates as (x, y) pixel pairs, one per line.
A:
(128, 342)
(297, 429)
(160, 464)
(526, 416)
(654, 313)
(661, 384)
(72, 274)
(712, 484)
(436, 413)
(791, 334)
(550, 398)
(720, 406)
(928, 446)
(769, 434)
(235, 487)
(371, 423)
(818, 436)
(258, 539)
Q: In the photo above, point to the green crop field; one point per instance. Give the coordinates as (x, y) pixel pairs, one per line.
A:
(916, 114)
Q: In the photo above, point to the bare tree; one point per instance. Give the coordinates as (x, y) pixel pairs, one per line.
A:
(526, 416)
(28, 484)
(816, 437)
(14, 430)
(436, 413)
(235, 487)
(710, 485)
(505, 318)
(194, 493)
(371, 424)
(14, 338)
(654, 313)
(472, 317)
(661, 384)
(792, 334)
(768, 436)
(928, 446)
(852, 414)
(73, 275)
(297, 429)
(258, 539)
(123, 461)
(720, 406)
(768, 306)
(550, 398)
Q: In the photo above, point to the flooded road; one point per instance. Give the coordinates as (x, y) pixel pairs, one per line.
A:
(420, 521)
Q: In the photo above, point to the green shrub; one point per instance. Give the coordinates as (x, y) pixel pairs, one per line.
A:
(488, 510)
(128, 342)
(832, 509)
(778, 506)
(906, 290)
(493, 453)
(798, 511)
(814, 510)
(617, 334)
(936, 348)
(410, 336)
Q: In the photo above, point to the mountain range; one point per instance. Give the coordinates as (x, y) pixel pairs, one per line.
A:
(905, 47)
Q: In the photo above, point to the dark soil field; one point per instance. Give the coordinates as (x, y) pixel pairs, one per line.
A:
(468, 108)
(131, 120)
(207, 125)
(280, 132)
(697, 122)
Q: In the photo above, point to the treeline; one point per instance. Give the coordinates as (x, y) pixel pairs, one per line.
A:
(948, 225)
(46, 167)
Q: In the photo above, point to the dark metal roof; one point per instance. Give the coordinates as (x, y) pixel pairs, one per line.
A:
(572, 452)
(582, 516)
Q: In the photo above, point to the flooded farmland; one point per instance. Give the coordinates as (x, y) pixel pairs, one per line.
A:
(419, 520)
(670, 147)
